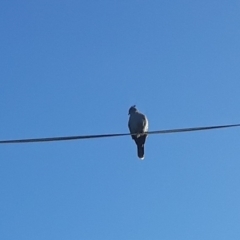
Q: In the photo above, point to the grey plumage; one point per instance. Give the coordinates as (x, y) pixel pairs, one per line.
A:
(138, 124)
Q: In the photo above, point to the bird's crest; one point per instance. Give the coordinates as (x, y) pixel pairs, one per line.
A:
(132, 109)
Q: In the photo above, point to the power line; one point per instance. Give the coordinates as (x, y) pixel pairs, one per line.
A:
(54, 139)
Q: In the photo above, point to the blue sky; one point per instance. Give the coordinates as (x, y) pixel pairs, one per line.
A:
(75, 67)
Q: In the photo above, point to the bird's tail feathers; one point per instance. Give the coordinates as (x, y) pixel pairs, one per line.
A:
(140, 151)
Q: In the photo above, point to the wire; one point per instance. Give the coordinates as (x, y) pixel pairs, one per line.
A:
(54, 139)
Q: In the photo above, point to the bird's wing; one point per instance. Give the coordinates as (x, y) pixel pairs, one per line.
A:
(129, 126)
(137, 123)
(142, 123)
(145, 124)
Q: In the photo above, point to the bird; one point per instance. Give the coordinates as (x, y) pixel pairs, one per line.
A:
(138, 126)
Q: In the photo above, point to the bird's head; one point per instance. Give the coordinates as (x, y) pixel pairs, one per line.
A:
(132, 109)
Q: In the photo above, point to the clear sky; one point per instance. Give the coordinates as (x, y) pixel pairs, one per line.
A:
(75, 67)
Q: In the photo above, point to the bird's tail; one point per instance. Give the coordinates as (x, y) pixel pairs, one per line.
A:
(140, 151)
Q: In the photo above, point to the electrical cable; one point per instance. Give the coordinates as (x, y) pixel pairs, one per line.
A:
(54, 139)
